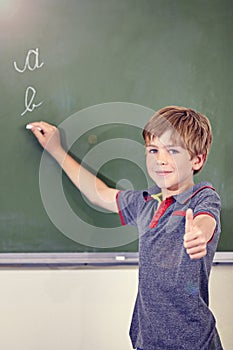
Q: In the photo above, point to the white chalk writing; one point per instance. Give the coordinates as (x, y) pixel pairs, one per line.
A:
(29, 65)
(28, 101)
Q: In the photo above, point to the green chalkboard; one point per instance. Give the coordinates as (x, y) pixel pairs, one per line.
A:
(98, 69)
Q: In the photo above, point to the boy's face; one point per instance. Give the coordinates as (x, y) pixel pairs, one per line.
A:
(170, 165)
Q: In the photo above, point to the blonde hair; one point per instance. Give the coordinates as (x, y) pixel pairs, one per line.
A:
(189, 129)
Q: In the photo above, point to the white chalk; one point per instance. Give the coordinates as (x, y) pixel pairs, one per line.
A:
(120, 258)
(30, 126)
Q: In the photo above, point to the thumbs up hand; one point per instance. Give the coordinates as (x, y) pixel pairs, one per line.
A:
(195, 241)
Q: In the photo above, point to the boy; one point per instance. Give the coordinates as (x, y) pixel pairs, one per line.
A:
(178, 225)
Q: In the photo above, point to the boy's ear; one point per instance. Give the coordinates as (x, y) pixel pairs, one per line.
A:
(198, 161)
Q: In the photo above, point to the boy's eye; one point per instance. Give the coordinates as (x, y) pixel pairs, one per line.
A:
(152, 151)
(155, 150)
(173, 151)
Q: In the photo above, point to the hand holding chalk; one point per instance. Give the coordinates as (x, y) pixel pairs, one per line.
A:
(47, 135)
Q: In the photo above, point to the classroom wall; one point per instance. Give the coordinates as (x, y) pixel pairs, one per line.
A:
(86, 308)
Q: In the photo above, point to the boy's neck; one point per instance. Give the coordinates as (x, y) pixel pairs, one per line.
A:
(166, 192)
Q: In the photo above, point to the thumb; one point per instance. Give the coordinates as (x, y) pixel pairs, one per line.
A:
(189, 220)
(38, 134)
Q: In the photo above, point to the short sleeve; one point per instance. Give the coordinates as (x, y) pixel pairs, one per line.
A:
(209, 203)
(129, 203)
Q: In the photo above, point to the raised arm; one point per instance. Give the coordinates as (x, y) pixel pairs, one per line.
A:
(91, 186)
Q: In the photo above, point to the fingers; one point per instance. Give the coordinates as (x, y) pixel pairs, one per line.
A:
(43, 127)
(38, 134)
(195, 245)
(37, 129)
(46, 134)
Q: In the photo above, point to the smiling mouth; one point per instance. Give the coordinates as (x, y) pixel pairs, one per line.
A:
(163, 173)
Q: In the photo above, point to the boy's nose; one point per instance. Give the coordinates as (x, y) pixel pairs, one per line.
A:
(161, 159)
(161, 162)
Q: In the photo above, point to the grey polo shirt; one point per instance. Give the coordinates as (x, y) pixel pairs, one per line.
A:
(171, 310)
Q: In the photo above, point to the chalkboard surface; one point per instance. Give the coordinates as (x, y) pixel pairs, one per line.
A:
(98, 69)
